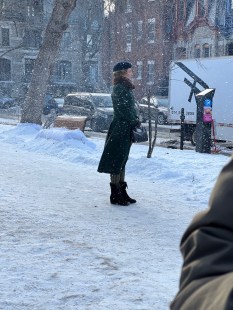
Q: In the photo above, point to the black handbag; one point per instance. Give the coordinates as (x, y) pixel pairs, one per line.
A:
(139, 134)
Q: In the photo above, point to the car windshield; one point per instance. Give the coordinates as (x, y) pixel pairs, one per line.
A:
(6, 103)
(163, 103)
(60, 101)
(103, 101)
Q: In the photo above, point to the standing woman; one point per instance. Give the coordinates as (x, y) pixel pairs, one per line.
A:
(118, 140)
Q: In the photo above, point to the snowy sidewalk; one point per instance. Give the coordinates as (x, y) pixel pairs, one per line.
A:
(63, 246)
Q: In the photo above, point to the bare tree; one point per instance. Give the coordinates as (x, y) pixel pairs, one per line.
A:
(91, 28)
(33, 105)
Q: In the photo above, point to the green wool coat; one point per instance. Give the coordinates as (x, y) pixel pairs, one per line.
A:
(118, 140)
(206, 281)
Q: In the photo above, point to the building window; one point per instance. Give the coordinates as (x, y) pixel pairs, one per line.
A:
(30, 11)
(38, 6)
(128, 37)
(89, 45)
(206, 50)
(128, 47)
(28, 69)
(64, 71)
(150, 72)
(201, 7)
(128, 6)
(66, 40)
(151, 30)
(181, 10)
(5, 72)
(140, 29)
(209, 5)
(230, 49)
(189, 6)
(34, 7)
(5, 37)
(32, 38)
(197, 51)
(139, 70)
(2, 5)
(93, 73)
(229, 6)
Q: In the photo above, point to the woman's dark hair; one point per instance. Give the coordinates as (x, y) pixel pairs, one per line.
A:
(117, 75)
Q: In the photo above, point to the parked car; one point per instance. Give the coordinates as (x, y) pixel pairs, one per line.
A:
(49, 104)
(6, 102)
(97, 107)
(161, 103)
(60, 102)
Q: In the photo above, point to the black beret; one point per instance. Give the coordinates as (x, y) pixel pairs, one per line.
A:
(124, 65)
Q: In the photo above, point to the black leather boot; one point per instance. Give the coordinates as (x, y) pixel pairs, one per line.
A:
(123, 186)
(116, 197)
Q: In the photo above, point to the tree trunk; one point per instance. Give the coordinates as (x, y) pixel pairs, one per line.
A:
(33, 105)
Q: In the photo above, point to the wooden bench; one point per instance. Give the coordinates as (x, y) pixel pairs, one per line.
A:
(71, 122)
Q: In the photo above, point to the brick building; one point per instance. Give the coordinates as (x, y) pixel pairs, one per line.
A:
(140, 32)
(151, 33)
(203, 28)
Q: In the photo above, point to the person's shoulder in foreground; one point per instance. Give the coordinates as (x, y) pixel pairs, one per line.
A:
(206, 281)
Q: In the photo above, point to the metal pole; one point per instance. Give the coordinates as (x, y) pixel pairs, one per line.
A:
(182, 118)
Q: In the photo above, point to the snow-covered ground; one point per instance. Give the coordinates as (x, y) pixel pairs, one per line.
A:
(64, 246)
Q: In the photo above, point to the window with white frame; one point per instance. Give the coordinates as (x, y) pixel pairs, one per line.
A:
(30, 11)
(150, 72)
(140, 29)
(128, 6)
(34, 7)
(151, 30)
(139, 70)
(128, 37)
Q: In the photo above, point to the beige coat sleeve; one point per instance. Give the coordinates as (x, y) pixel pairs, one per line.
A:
(206, 281)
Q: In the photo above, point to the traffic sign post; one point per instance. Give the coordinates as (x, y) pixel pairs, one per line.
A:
(204, 102)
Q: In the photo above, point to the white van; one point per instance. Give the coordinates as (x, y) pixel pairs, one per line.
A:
(216, 72)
